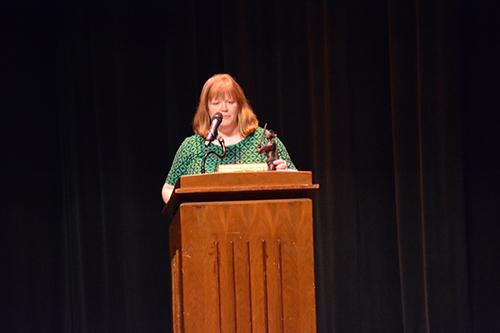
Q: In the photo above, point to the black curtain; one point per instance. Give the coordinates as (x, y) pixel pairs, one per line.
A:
(392, 105)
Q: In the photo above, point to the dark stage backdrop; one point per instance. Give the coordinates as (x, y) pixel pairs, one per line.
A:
(393, 105)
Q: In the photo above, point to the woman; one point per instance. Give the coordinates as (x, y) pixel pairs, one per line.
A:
(239, 129)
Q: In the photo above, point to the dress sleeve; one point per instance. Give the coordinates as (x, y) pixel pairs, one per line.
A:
(181, 161)
(283, 154)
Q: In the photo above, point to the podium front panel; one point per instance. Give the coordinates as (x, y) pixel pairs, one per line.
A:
(243, 266)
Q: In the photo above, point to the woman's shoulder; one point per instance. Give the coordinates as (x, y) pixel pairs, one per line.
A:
(190, 146)
(251, 138)
(258, 131)
(192, 140)
(256, 134)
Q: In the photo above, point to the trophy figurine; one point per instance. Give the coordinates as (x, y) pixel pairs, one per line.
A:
(269, 148)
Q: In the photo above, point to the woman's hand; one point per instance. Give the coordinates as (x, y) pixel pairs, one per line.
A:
(166, 192)
(280, 165)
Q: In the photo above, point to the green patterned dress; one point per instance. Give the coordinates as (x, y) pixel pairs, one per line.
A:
(188, 158)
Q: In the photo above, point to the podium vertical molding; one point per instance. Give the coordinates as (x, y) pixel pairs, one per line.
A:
(250, 289)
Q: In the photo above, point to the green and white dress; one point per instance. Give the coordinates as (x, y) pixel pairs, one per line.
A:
(187, 160)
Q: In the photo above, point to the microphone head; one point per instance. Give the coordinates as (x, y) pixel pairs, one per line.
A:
(212, 133)
(218, 116)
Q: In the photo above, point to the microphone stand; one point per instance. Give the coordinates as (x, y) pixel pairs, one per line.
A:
(222, 145)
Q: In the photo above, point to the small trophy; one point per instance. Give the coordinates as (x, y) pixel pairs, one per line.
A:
(269, 148)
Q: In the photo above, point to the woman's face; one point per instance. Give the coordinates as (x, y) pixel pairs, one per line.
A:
(229, 108)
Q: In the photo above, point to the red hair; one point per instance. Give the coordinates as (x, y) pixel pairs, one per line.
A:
(218, 86)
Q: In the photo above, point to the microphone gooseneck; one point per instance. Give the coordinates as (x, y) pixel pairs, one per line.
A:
(221, 156)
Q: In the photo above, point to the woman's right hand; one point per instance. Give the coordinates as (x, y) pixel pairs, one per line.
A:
(166, 192)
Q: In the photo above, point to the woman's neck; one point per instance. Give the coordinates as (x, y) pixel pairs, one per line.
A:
(230, 137)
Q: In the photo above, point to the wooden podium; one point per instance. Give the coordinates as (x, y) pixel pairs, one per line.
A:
(242, 254)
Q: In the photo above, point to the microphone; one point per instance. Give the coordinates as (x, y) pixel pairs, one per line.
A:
(212, 132)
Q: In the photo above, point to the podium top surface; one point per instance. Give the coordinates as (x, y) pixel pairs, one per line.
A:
(240, 186)
(252, 178)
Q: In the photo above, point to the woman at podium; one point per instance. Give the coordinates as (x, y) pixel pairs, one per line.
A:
(224, 113)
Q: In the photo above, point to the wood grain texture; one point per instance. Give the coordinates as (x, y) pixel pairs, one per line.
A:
(244, 266)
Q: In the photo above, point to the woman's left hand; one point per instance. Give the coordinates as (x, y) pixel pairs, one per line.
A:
(280, 164)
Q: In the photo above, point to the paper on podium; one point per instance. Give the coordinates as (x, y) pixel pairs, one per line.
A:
(242, 167)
